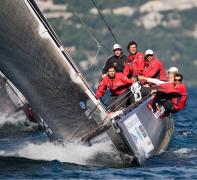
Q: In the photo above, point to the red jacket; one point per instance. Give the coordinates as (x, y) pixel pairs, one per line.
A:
(179, 101)
(154, 69)
(117, 85)
(134, 64)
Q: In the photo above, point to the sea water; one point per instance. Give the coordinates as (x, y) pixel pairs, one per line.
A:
(26, 153)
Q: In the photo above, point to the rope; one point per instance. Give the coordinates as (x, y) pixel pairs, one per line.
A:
(117, 107)
(102, 17)
(118, 100)
(95, 58)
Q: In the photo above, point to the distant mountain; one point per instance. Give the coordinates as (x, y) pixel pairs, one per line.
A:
(168, 27)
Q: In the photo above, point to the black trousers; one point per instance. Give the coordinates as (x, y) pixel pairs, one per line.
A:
(164, 100)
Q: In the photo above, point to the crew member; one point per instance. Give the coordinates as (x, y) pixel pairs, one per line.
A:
(172, 95)
(134, 64)
(118, 84)
(153, 67)
(171, 73)
(117, 60)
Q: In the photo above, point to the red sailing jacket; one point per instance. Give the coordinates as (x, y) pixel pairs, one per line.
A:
(178, 102)
(117, 85)
(154, 69)
(134, 64)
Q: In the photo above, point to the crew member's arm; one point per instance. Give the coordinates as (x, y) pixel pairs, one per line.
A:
(140, 65)
(127, 80)
(126, 69)
(101, 89)
(168, 89)
(181, 103)
(152, 80)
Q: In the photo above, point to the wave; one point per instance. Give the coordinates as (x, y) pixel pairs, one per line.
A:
(12, 119)
(99, 154)
(186, 152)
(16, 120)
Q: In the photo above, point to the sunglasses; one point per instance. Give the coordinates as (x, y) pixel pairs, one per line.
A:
(117, 50)
(178, 80)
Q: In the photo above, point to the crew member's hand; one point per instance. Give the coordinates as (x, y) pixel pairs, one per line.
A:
(134, 79)
(142, 78)
(153, 91)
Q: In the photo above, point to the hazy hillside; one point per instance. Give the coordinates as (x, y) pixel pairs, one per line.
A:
(168, 27)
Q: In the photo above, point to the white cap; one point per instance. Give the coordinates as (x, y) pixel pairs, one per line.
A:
(173, 70)
(149, 52)
(116, 46)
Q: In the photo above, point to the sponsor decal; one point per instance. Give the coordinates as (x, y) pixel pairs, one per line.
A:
(138, 134)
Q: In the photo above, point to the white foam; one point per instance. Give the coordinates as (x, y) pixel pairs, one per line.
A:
(186, 153)
(13, 119)
(185, 150)
(71, 153)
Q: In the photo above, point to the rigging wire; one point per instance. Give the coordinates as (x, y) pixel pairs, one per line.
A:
(127, 93)
(107, 124)
(88, 29)
(102, 17)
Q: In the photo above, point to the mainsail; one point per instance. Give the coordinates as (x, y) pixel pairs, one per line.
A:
(34, 60)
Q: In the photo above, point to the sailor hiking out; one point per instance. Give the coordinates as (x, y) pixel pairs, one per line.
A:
(172, 95)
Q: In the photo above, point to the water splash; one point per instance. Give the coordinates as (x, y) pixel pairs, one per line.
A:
(99, 154)
(14, 119)
(184, 153)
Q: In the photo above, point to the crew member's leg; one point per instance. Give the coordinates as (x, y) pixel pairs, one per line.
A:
(159, 98)
(168, 106)
(112, 103)
(145, 91)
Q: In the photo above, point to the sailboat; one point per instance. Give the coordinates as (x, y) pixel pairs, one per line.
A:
(35, 61)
